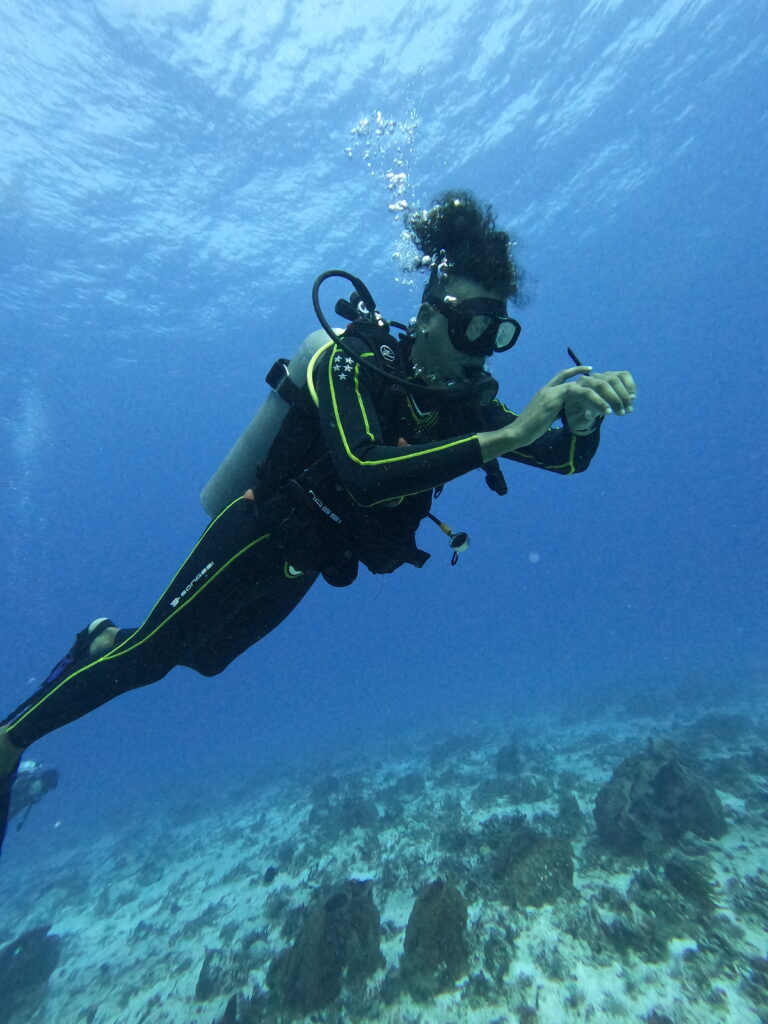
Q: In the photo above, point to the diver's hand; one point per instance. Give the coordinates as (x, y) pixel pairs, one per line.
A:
(598, 394)
(544, 408)
(587, 398)
(535, 419)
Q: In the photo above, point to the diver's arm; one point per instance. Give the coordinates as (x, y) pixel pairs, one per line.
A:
(586, 399)
(372, 470)
(558, 449)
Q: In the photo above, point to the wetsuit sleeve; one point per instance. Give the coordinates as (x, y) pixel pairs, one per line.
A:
(374, 468)
(558, 450)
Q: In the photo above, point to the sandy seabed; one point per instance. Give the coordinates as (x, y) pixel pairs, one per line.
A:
(138, 912)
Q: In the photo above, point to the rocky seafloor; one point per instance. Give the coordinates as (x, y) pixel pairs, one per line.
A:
(526, 872)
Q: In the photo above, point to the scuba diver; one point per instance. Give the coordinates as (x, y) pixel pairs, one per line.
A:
(32, 781)
(339, 468)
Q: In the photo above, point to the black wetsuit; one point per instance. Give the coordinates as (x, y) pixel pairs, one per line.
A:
(371, 466)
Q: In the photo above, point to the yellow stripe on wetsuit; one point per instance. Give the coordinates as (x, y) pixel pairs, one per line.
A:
(378, 462)
(570, 463)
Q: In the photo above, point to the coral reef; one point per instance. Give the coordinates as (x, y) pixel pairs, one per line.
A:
(225, 969)
(529, 867)
(340, 807)
(435, 953)
(693, 880)
(26, 964)
(340, 933)
(653, 798)
(241, 921)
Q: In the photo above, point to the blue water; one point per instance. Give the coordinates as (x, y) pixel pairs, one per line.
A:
(172, 179)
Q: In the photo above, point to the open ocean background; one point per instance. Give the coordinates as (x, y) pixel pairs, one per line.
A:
(174, 175)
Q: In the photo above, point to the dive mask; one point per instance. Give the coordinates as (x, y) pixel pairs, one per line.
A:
(478, 327)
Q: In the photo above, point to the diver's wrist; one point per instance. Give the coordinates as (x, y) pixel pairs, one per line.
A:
(590, 425)
(494, 443)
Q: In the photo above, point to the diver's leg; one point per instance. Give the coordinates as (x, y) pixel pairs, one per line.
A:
(267, 606)
(10, 757)
(6, 784)
(206, 639)
(9, 754)
(103, 634)
(233, 564)
(232, 590)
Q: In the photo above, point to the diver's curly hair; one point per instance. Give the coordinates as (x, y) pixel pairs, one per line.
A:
(460, 234)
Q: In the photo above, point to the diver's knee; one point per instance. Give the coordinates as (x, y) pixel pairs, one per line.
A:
(104, 642)
(208, 666)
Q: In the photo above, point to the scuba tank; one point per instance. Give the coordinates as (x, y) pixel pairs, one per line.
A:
(286, 379)
(238, 470)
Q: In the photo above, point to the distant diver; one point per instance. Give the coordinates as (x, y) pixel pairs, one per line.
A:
(31, 783)
(339, 467)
